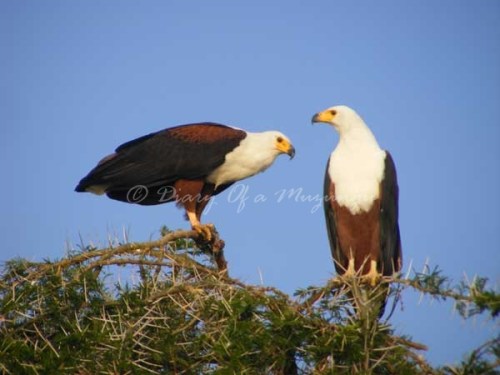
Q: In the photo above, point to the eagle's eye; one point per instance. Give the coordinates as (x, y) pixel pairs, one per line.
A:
(279, 139)
(333, 112)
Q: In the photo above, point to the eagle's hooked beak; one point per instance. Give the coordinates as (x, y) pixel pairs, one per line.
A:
(285, 147)
(325, 116)
(315, 119)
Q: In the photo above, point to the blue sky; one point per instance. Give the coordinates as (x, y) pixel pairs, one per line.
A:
(78, 78)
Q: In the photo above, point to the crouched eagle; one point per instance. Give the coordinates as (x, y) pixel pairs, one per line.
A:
(186, 164)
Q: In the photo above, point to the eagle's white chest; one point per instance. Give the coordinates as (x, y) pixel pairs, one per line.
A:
(249, 158)
(357, 170)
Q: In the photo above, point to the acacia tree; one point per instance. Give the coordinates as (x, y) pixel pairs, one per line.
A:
(186, 315)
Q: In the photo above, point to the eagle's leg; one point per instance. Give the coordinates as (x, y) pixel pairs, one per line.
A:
(201, 203)
(188, 194)
(373, 276)
(203, 230)
(350, 271)
(200, 206)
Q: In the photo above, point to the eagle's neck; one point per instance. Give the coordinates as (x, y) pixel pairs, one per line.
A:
(357, 168)
(250, 157)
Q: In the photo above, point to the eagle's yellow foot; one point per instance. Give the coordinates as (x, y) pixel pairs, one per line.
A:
(350, 271)
(205, 231)
(373, 277)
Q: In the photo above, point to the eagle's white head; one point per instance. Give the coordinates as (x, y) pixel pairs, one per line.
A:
(275, 142)
(255, 153)
(343, 119)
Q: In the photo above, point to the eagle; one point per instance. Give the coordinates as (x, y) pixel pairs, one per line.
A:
(186, 164)
(361, 200)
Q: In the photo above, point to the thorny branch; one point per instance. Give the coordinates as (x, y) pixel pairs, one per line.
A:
(206, 311)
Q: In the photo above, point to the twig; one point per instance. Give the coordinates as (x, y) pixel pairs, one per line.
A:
(214, 248)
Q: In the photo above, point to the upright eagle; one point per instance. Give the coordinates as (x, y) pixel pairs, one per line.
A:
(187, 164)
(361, 204)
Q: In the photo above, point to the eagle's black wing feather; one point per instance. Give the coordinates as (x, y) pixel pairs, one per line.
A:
(184, 152)
(390, 240)
(339, 258)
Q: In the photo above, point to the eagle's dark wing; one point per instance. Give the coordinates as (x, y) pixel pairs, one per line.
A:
(340, 260)
(390, 241)
(183, 152)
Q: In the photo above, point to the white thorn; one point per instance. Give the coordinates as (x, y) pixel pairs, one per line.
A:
(261, 277)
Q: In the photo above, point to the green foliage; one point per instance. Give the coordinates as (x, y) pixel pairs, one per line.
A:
(183, 316)
(471, 298)
(482, 361)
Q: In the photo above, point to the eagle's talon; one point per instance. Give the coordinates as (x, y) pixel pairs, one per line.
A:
(350, 271)
(204, 231)
(371, 278)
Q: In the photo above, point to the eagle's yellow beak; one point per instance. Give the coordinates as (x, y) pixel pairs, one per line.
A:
(285, 147)
(325, 116)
